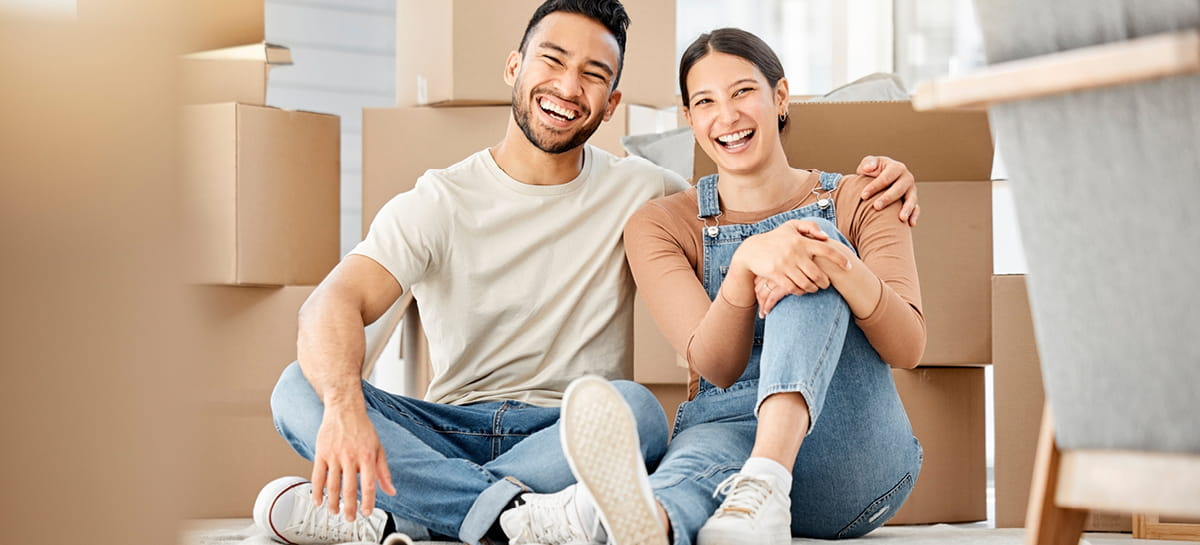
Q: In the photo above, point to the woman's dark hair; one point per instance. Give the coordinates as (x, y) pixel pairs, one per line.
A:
(609, 13)
(736, 42)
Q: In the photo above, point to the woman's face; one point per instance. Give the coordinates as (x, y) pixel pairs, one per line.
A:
(734, 112)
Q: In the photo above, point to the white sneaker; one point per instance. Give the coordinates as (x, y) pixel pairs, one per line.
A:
(755, 511)
(599, 437)
(549, 519)
(285, 511)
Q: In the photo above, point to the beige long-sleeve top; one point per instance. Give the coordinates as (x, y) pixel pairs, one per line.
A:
(665, 251)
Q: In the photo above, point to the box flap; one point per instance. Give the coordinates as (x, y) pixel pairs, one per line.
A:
(269, 53)
(835, 136)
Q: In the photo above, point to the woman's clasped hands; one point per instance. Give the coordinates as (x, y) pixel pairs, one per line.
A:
(795, 258)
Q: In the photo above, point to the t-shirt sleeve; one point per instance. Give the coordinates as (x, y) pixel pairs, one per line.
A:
(407, 236)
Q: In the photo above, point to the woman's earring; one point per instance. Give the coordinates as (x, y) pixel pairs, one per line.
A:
(783, 117)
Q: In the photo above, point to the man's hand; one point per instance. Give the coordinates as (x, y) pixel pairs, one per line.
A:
(348, 449)
(894, 176)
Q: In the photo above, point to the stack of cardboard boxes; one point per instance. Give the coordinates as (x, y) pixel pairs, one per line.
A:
(261, 206)
(951, 155)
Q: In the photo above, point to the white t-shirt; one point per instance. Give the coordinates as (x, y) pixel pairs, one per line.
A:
(522, 288)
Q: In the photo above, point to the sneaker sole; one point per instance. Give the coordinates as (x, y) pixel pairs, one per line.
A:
(599, 437)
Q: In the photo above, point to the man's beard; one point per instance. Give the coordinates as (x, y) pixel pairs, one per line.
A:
(523, 110)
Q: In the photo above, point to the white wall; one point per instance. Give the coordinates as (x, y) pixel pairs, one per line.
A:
(345, 60)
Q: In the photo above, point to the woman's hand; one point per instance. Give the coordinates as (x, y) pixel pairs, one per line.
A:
(786, 259)
(769, 294)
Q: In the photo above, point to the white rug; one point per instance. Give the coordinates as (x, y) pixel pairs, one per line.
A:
(240, 532)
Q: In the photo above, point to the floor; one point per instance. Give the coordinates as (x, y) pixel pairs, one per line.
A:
(240, 532)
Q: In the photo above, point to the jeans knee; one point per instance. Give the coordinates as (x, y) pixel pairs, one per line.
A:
(830, 228)
(651, 419)
(293, 399)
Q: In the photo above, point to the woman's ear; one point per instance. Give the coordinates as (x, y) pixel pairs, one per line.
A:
(781, 95)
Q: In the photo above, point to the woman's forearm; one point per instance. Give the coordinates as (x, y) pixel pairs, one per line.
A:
(858, 286)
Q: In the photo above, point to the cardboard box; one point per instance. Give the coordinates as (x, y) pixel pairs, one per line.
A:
(946, 408)
(953, 246)
(243, 452)
(950, 153)
(233, 74)
(248, 336)
(654, 360)
(1019, 399)
(400, 144)
(245, 337)
(261, 194)
(453, 52)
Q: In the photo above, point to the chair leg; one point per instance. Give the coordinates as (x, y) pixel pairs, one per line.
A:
(1045, 522)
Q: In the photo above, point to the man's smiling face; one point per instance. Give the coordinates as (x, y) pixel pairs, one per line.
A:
(562, 85)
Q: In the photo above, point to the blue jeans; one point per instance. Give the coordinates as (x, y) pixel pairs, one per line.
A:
(859, 461)
(454, 467)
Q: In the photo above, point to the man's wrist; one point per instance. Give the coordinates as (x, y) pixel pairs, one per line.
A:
(346, 399)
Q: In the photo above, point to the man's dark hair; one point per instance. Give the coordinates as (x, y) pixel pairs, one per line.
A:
(609, 13)
(736, 42)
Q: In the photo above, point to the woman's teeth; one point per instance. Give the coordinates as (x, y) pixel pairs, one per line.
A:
(555, 109)
(735, 139)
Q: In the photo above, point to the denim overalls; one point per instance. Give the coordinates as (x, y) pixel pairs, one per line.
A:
(859, 461)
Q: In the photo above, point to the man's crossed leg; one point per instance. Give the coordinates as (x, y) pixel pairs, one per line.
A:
(455, 468)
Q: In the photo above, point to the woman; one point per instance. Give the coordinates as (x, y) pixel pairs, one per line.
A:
(791, 299)
(831, 453)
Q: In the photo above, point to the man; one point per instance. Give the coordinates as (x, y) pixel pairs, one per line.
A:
(519, 295)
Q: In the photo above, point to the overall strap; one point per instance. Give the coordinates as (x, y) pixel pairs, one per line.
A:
(829, 180)
(706, 197)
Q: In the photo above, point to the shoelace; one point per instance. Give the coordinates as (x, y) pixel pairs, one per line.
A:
(317, 522)
(744, 495)
(547, 526)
